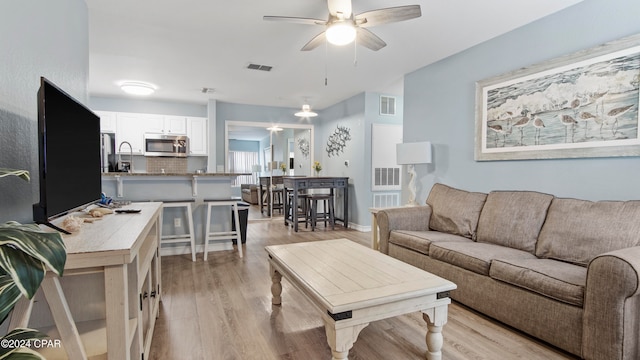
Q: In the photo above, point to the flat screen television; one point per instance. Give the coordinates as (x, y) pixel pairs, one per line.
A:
(69, 154)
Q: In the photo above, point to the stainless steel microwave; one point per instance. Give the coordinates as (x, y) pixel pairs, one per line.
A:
(166, 145)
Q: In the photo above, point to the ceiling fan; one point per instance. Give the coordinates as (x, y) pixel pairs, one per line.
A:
(342, 26)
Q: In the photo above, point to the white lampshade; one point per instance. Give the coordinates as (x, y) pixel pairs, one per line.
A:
(413, 153)
(341, 33)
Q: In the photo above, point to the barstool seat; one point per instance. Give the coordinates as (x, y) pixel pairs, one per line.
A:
(327, 214)
(222, 235)
(182, 238)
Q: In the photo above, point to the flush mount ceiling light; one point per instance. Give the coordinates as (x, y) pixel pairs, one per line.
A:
(341, 32)
(306, 111)
(137, 88)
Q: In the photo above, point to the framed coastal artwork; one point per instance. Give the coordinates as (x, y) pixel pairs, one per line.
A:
(580, 105)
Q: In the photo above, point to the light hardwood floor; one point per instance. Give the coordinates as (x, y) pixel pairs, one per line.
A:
(221, 309)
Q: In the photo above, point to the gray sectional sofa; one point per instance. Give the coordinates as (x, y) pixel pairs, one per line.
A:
(566, 271)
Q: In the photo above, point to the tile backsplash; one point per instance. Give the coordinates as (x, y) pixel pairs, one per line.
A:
(169, 164)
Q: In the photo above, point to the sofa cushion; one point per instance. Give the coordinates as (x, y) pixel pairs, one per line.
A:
(474, 256)
(555, 279)
(513, 218)
(421, 240)
(455, 211)
(577, 230)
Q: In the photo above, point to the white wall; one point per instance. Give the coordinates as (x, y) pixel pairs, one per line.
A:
(439, 107)
(39, 38)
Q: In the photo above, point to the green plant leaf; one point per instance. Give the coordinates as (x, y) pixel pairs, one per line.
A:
(20, 335)
(9, 295)
(23, 174)
(45, 246)
(26, 271)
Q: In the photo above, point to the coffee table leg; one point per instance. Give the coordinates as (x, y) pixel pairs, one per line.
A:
(435, 319)
(341, 340)
(276, 286)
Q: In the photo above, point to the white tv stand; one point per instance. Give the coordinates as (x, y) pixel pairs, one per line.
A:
(106, 303)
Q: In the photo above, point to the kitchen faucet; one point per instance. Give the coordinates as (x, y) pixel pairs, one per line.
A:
(130, 155)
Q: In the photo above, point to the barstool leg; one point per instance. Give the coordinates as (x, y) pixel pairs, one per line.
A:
(191, 232)
(238, 231)
(207, 231)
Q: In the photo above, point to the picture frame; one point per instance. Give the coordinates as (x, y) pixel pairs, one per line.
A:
(576, 106)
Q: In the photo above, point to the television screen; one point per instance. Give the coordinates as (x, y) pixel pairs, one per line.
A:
(69, 150)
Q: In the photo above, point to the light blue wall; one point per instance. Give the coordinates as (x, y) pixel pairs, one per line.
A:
(244, 145)
(357, 113)
(147, 106)
(39, 38)
(439, 107)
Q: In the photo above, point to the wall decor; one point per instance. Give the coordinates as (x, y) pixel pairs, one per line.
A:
(579, 105)
(338, 140)
(303, 145)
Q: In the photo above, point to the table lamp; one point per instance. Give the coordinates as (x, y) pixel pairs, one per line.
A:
(411, 154)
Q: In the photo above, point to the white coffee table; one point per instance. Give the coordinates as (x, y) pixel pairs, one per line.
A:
(353, 285)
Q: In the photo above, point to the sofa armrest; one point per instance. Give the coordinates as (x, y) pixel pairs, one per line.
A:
(611, 326)
(414, 218)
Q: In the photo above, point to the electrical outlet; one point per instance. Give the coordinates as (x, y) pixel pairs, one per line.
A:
(177, 222)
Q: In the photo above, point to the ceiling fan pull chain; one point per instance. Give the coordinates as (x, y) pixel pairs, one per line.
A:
(355, 52)
(326, 57)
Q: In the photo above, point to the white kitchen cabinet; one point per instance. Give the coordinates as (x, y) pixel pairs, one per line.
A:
(175, 125)
(130, 128)
(197, 134)
(151, 123)
(107, 121)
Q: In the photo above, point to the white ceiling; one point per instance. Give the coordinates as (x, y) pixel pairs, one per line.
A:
(183, 46)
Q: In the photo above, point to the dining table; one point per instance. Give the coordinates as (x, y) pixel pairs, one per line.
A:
(296, 185)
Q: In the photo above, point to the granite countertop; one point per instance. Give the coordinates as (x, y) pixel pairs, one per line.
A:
(172, 174)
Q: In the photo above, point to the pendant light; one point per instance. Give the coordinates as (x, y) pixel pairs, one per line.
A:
(306, 112)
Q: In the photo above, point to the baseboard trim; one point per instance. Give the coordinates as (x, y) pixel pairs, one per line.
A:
(186, 249)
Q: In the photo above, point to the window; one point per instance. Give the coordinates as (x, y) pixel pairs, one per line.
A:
(242, 162)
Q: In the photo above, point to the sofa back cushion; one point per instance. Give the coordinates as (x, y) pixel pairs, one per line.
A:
(455, 211)
(576, 231)
(513, 218)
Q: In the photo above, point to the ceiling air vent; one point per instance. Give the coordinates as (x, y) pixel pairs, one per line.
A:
(259, 67)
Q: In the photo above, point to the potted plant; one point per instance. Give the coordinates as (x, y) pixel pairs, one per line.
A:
(26, 252)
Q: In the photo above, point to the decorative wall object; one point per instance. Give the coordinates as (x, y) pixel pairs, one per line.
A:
(580, 105)
(303, 145)
(338, 140)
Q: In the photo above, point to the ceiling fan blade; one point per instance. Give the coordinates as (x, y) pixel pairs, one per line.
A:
(340, 6)
(315, 42)
(388, 15)
(297, 20)
(370, 40)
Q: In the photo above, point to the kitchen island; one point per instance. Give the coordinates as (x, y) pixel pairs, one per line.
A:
(162, 187)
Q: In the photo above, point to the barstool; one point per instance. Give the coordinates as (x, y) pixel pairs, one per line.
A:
(300, 210)
(327, 214)
(222, 235)
(190, 237)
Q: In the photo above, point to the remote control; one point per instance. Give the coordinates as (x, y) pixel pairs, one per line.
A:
(128, 211)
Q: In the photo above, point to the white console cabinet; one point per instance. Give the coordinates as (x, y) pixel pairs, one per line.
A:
(106, 303)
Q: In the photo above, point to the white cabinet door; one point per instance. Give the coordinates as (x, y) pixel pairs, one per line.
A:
(197, 133)
(131, 129)
(107, 121)
(151, 123)
(176, 125)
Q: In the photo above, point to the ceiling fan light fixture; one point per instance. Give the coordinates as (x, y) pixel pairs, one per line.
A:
(306, 112)
(137, 88)
(341, 33)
